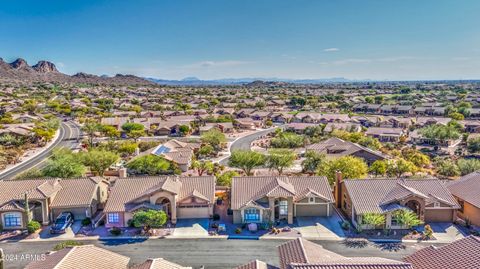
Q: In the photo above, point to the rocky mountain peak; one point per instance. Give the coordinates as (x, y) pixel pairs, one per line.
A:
(20, 64)
(45, 67)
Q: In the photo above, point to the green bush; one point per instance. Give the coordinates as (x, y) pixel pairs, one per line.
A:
(86, 221)
(116, 231)
(428, 232)
(33, 226)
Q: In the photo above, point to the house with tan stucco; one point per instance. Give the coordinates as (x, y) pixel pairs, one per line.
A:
(428, 198)
(48, 198)
(179, 197)
(266, 199)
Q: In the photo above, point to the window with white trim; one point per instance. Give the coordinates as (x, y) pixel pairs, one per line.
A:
(251, 214)
(436, 204)
(12, 220)
(113, 218)
(311, 200)
(283, 207)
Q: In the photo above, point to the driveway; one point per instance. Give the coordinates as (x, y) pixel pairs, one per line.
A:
(320, 228)
(69, 233)
(446, 232)
(191, 228)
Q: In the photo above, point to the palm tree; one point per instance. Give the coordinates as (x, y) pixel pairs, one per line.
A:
(407, 218)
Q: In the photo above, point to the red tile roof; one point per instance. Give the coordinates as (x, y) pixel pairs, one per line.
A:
(461, 254)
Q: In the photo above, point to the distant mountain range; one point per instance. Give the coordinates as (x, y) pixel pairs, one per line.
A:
(45, 71)
(193, 81)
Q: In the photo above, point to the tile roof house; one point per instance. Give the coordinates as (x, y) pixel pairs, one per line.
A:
(428, 198)
(48, 198)
(158, 263)
(303, 254)
(86, 257)
(116, 122)
(179, 197)
(180, 153)
(270, 198)
(467, 192)
(385, 134)
(315, 117)
(346, 126)
(336, 148)
(256, 264)
(461, 254)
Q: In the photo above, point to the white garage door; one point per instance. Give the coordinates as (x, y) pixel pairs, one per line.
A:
(192, 212)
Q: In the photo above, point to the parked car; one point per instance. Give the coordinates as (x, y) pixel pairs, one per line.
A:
(62, 223)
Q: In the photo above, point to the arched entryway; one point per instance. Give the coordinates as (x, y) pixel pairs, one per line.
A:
(414, 206)
(165, 203)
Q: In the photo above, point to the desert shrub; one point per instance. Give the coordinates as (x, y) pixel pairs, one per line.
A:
(116, 231)
(33, 226)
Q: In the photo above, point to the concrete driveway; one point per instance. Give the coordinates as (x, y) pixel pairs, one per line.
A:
(69, 233)
(446, 232)
(191, 228)
(320, 228)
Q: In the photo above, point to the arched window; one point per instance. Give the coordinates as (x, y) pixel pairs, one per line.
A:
(251, 214)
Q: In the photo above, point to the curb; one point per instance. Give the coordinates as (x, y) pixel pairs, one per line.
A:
(46, 147)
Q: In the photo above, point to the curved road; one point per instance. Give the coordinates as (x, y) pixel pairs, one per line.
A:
(245, 142)
(69, 134)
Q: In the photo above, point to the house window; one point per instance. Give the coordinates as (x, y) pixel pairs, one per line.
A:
(311, 200)
(12, 220)
(283, 207)
(252, 214)
(113, 218)
(436, 204)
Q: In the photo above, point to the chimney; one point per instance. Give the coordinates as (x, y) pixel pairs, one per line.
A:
(122, 172)
(338, 188)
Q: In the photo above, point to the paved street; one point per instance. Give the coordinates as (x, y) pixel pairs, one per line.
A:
(244, 142)
(212, 253)
(69, 132)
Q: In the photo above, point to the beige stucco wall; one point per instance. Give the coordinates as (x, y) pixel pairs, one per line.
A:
(471, 212)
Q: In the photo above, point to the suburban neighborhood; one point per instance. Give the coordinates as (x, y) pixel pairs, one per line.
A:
(216, 134)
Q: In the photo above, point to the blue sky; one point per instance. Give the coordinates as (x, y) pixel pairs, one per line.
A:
(382, 39)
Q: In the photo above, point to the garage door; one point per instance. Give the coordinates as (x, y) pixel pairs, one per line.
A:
(192, 212)
(78, 213)
(311, 210)
(438, 215)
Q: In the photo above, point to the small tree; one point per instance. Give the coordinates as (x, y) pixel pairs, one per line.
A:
(110, 131)
(279, 159)
(99, 160)
(134, 130)
(378, 167)
(407, 218)
(149, 219)
(63, 164)
(246, 160)
(90, 128)
(350, 166)
(214, 137)
(312, 161)
(399, 167)
(373, 219)
(202, 167)
(150, 164)
(473, 145)
(225, 179)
